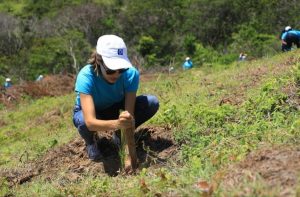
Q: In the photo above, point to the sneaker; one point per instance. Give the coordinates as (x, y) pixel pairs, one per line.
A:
(116, 139)
(93, 152)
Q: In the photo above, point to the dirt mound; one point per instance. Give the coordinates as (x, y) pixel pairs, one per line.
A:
(277, 166)
(154, 147)
(51, 85)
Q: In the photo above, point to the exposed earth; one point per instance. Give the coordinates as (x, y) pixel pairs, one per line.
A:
(269, 167)
(155, 146)
(51, 85)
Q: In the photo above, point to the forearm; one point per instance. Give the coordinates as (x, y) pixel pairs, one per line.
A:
(102, 125)
(89, 113)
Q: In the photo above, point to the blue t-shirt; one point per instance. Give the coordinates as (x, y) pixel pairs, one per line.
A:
(295, 32)
(187, 64)
(103, 93)
(7, 84)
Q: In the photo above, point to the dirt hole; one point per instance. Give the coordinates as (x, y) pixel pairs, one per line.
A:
(155, 145)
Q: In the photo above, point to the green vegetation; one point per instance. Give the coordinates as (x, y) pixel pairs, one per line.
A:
(34, 128)
(212, 134)
(52, 36)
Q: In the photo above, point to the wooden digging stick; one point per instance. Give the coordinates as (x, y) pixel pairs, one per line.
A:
(130, 148)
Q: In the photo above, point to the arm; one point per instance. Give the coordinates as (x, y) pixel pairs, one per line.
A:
(94, 124)
(283, 36)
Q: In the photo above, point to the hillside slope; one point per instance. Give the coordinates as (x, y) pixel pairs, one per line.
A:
(226, 130)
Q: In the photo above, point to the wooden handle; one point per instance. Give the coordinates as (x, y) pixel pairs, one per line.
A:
(130, 147)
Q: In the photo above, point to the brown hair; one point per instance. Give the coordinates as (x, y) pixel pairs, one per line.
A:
(95, 60)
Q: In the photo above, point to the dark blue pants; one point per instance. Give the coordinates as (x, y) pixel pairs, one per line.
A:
(145, 107)
(290, 39)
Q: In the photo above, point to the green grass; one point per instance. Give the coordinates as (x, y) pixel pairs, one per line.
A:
(12, 6)
(34, 128)
(210, 134)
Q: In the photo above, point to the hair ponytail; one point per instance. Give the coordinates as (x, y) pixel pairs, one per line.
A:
(95, 60)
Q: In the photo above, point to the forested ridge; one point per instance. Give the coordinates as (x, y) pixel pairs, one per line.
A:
(53, 36)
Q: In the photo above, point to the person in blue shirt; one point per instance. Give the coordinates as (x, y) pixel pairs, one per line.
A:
(7, 83)
(106, 85)
(288, 38)
(188, 64)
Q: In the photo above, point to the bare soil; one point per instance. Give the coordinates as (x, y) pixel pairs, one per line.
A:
(155, 145)
(51, 85)
(273, 166)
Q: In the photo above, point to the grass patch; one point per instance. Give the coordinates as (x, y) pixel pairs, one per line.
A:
(34, 128)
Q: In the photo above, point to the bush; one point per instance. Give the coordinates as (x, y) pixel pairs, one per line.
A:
(249, 41)
(55, 54)
(190, 44)
(204, 55)
(146, 46)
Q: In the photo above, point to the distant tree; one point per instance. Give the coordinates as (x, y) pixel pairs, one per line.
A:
(146, 45)
(190, 44)
(211, 21)
(41, 8)
(10, 34)
(270, 16)
(84, 18)
(57, 54)
(159, 19)
(38, 7)
(250, 41)
(156, 31)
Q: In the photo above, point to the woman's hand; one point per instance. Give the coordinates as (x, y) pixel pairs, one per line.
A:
(283, 42)
(126, 120)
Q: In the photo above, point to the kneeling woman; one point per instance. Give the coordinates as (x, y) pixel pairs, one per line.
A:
(106, 85)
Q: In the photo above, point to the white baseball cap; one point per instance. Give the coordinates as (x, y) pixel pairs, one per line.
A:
(7, 79)
(113, 51)
(187, 58)
(287, 28)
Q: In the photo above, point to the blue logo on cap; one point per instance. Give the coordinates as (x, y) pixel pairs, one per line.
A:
(120, 51)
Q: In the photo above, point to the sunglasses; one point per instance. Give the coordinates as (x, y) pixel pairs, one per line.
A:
(111, 72)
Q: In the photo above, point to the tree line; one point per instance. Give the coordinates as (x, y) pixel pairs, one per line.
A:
(53, 36)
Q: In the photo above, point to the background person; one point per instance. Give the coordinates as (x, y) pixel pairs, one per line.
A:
(242, 56)
(290, 37)
(7, 83)
(105, 85)
(39, 78)
(188, 64)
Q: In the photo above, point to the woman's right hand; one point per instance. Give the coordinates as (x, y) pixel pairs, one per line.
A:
(126, 120)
